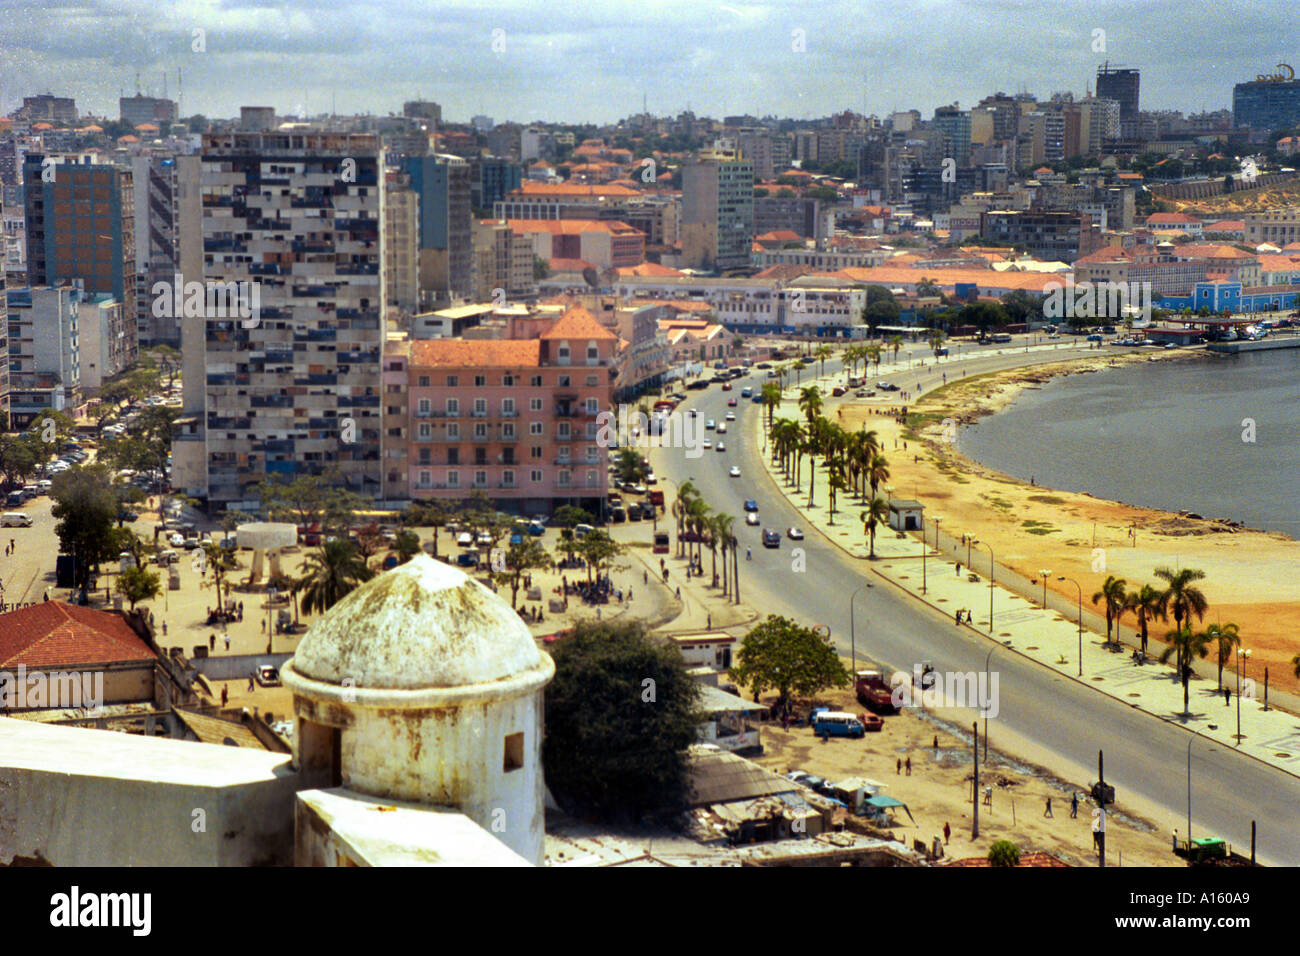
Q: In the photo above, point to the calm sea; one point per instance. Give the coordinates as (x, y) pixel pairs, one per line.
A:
(1166, 435)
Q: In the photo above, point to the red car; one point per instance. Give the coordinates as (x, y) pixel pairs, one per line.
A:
(873, 723)
(558, 636)
(726, 386)
(731, 403)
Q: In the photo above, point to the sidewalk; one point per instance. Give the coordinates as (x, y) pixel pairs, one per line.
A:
(1049, 636)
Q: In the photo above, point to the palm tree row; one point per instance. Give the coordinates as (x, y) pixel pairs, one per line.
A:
(707, 528)
(1182, 600)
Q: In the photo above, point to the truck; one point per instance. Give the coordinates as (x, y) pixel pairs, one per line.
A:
(874, 692)
(656, 497)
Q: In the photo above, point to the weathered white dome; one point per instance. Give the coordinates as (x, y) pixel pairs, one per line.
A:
(423, 624)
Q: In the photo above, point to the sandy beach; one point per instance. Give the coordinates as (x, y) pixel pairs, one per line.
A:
(1250, 577)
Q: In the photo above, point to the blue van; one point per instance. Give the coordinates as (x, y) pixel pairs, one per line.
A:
(834, 723)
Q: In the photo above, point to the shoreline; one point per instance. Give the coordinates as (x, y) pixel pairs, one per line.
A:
(1249, 573)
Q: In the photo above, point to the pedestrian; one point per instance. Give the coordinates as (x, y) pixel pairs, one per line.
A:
(947, 831)
(1048, 811)
(225, 696)
(679, 594)
(264, 626)
(908, 764)
(1074, 805)
(709, 626)
(598, 614)
(1227, 697)
(250, 681)
(898, 767)
(212, 641)
(749, 555)
(936, 742)
(956, 618)
(629, 594)
(959, 565)
(47, 597)
(645, 577)
(226, 638)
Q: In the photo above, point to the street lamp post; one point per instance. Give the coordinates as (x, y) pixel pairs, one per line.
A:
(985, 703)
(1045, 572)
(1241, 654)
(991, 570)
(853, 638)
(1076, 584)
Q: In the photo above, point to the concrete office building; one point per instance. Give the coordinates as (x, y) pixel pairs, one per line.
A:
(1266, 104)
(137, 110)
(169, 237)
(717, 225)
(1121, 85)
(442, 183)
(44, 351)
(294, 388)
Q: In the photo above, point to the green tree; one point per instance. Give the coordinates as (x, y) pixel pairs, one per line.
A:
(520, 559)
(217, 563)
(788, 657)
(19, 456)
(1183, 646)
(601, 552)
(138, 584)
(406, 545)
(570, 516)
(1004, 853)
(1113, 592)
(874, 516)
(329, 574)
(1146, 604)
(615, 686)
(85, 508)
(1181, 597)
(1225, 638)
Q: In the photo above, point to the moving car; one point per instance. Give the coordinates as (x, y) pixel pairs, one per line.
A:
(833, 723)
(746, 392)
(794, 534)
(734, 472)
(886, 387)
(267, 676)
(751, 504)
(722, 446)
(751, 518)
(722, 428)
(710, 425)
(706, 444)
(731, 403)
(15, 519)
(771, 538)
(731, 416)
(726, 386)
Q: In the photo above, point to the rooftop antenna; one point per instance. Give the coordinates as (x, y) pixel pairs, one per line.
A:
(137, 83)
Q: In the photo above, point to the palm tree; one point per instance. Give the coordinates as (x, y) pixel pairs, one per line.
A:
(876, 513)
(822, 353)
(895, 343)
(1225, 637)
(726, 540)
(1114, 594)
(1146, 605)
(835, 483)
(873, 353)
(1180, 597)
(697, 516)
(1182, 645)
(936, 338)
(798, 365)
(329, 574)
(771, 395)
(877, 471)
(686, 492)
(814, 436)
(711, 538)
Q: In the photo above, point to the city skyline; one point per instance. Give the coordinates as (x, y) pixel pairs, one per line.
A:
(603, 64)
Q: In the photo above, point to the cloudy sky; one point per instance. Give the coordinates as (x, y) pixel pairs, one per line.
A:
(596, 60)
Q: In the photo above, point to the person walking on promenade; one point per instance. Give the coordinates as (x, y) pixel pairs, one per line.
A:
(1074, 805)
(908, 764)
(898, 766)
(212, 641)
(1048, 811)
(947, 831)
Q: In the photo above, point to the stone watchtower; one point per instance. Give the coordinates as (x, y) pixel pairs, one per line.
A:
(424, 686)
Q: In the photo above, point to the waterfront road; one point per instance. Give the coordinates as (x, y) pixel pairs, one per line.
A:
(1044, 717)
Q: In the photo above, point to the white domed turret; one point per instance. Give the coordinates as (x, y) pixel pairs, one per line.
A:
(423, 685)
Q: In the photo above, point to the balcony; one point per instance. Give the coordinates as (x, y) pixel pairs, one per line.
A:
(476, 413)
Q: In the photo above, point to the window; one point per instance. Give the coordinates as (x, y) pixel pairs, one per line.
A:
(593, 353)
(534, 428)
(453, 432)
(535, 381)
(423, 381)
(591, 478)
(425, 431)
(480, 407)
(453, 381)
(508, 479)
(480, 430)
(562, 479)
(562, 356)
(564, 430)
(453, 406)
(424, 408)
(592, 454)
(424, 456)
(535, 475)
(593, 380)
(514, 752)
(507, 380)
(426, 479)
(593, 405)
(480, 381)
(453, 456)
(507, 406)
(453, 479)
(563, 382)
(508, 430)
(480, 478)
(535, 451)
(534, 404)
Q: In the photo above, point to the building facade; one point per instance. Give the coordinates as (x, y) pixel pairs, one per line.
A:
(296, 217)
(717, 214)
(1266, 104)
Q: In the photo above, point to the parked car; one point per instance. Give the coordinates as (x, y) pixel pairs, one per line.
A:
(886, 387)
(177, 540)
(267, 676)
(465, 540)
(127, 516)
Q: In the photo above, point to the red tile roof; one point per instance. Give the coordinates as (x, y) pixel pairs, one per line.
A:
(481, 353)
(649, 269)
(54, 634)
(578, 323)
(568, 265)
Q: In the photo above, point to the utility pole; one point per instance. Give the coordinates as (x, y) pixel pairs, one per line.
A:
(1101, 812)
(975, 797)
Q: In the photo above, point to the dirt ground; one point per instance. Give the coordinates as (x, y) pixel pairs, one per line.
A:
(1250, 577)
(939, 790)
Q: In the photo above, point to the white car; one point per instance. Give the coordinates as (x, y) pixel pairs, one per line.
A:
(795, 534)
(722, 446)
(751, 518)
(722, 428)
(706, 444)
(731, 416)
(710, 425)
(177, 540)
(735, 471)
